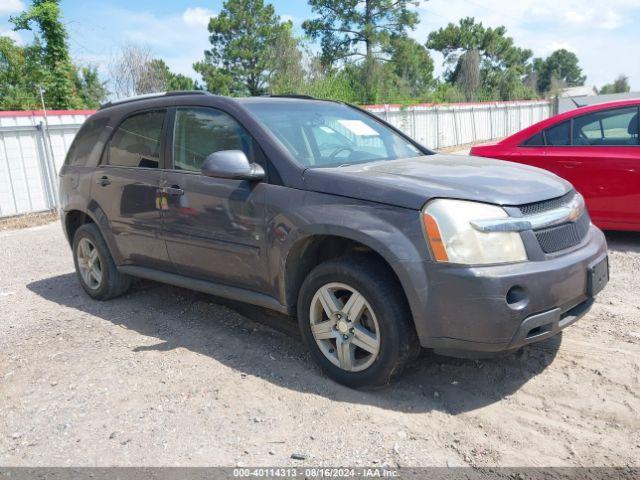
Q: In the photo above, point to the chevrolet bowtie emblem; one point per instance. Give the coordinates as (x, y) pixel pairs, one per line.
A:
(570, 212)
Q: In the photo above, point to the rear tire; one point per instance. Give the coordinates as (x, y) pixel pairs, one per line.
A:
(361, 341)
(95, 267)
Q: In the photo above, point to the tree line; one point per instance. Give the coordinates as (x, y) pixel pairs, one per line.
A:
(358, 51)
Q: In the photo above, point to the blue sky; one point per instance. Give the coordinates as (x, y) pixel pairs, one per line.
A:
(603, 33)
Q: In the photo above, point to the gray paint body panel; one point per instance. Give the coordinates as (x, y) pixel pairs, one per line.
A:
(410, 183)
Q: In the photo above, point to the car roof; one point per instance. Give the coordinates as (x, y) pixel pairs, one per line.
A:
(632, 102)
(526, 133)
(279, 99)
(153, 96)
(198, 94)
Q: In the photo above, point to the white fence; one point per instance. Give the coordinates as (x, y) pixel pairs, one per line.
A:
(447, 125)
(31, 154)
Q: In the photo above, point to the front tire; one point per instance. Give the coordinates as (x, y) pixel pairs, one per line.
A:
(95, 267)
(355, 321)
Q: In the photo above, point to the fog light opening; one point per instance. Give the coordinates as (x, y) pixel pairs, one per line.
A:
(534, 332)
(517, 297)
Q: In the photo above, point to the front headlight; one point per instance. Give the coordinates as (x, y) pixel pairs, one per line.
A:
(452, 238)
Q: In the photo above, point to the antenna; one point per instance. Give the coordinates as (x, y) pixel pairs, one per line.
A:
(576, 103)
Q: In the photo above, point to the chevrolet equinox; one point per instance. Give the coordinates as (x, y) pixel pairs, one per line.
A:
(321, 210)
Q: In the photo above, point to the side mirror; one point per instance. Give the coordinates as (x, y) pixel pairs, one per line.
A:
(232, 164)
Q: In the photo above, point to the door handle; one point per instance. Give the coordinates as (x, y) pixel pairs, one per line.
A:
(174, 191)
(103, 181)
(570, 163)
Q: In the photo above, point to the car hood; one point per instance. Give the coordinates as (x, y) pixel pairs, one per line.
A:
(411, 182)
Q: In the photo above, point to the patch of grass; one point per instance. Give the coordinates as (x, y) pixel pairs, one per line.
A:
(28, 220)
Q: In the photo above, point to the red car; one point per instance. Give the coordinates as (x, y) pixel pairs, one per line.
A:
(596, 148)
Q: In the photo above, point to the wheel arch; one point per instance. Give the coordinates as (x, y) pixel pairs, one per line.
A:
(319, 245)
(74, 218)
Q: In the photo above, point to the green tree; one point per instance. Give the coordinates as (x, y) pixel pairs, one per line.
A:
(413, 65)
(90, 88)
(481, 58)
(467, 75)
(135, 71)
(287, 74)
(242, 36)
(561, 67)
(330, 84)
(447, 93)
(620, 85)
(17, 74)
(359, 35)
(45, 63)
(58, 76)
(350, 29)
(376, 81)
(172, 81)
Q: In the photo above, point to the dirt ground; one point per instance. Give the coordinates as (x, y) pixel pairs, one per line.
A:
(165, 376)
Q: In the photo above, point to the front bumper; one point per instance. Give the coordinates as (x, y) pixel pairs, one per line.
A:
(498, 308)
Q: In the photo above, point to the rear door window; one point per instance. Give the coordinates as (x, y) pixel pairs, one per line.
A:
(137, 141)
(617, 127)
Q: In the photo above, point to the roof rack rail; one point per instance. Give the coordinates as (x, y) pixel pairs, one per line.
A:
(175, 93)
(293, 95)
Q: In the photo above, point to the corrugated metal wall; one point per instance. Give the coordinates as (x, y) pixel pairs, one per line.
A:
(447, 125)
(31, 155)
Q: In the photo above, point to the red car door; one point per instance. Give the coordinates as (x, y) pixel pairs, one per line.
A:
(599, 154)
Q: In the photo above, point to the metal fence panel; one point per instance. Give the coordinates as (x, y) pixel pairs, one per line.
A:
(31, 155)
(447, 125)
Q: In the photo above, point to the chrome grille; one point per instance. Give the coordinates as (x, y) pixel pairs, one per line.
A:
(546, 205)
(564, 236)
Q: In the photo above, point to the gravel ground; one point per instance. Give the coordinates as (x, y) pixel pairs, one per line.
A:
(165, 376)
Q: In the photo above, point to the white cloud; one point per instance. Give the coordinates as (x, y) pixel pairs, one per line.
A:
(197, 16)
(15, 36)
(179, 39)
(605, 14)
(579, 17)
(609, 20)
(10, 6)
(600, 32)
(613, 20)
(288, 18)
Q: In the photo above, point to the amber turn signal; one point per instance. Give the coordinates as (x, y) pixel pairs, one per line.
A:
(435, 240)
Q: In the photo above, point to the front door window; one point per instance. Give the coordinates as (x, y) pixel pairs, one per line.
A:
(199, 132)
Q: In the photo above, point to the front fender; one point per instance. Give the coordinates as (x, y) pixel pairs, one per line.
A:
(392, 232)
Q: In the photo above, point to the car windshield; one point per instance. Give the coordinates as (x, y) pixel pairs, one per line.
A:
(325, 134)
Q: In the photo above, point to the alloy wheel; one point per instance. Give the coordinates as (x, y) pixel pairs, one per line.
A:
(344, 327)
(89, 264)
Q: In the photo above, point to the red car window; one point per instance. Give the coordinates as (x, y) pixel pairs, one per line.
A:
(617, 127)
(559, 134)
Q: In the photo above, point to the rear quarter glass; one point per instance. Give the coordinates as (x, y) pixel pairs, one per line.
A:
(85, 141)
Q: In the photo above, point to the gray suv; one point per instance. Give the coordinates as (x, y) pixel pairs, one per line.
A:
(321, 210)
